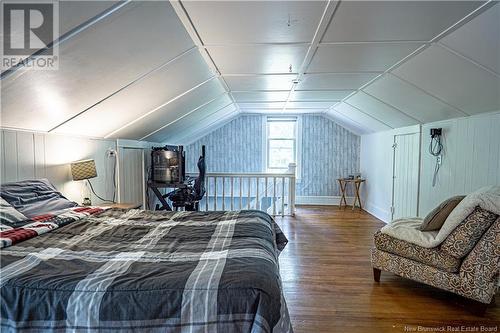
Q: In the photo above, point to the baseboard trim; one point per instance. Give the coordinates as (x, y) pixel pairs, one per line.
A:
(378, 212)
(321, 200)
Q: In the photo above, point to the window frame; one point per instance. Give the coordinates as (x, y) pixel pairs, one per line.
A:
(267, 142)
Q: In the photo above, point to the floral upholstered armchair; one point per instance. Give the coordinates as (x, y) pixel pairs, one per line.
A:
(462, 257)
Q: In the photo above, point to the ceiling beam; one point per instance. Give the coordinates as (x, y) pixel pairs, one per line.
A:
(193, 33)
(323, 24)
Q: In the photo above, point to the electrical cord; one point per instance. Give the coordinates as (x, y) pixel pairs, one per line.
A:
(92, 188)
(435, 149)
(114, 185)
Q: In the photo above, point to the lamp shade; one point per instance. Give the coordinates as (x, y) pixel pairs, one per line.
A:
(83, 170)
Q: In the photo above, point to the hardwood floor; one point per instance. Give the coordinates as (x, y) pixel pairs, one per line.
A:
(329, 287)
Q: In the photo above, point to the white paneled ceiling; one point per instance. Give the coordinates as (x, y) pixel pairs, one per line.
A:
(250, 22)
(93, 65)
(194, 120)
(412, 101)
(319, 95)
(478, 40)
(171, 71)
(74, 13)
(363, 21)
(260, 82)
(170, 112)
(359, 57)
(260, 96)
(453, 79)
(151, 94)
(262, 59)
(360, 117)
(380, 110)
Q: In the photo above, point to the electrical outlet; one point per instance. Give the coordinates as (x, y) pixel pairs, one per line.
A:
(111, 152)
(439, 160)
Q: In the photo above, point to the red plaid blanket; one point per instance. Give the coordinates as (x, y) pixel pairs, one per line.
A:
(42, 224)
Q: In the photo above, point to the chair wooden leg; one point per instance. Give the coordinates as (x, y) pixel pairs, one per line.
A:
(478, 308)
(376, 274)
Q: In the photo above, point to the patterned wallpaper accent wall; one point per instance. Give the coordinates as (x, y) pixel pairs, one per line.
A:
(328, 151)
(234, 147)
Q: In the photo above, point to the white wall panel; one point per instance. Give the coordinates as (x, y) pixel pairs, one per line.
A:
(9, 154)
(471, 158)
(27, 155)
(406, 175)
(376, 168)
(132, 177)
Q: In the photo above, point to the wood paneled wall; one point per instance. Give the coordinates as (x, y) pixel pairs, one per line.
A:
(471, 158)
(27, 155)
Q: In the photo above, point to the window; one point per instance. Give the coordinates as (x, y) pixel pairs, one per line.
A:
(281, 143)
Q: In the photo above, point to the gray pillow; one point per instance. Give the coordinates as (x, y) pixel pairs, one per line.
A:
(34, 197)
(436, 218)
(10, 216)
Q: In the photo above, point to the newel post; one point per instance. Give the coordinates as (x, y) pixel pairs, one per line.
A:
(292, 168)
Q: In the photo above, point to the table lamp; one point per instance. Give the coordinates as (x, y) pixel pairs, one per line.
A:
(84, 170)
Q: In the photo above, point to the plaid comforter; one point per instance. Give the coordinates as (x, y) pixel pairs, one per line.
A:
(42, 224)
(143, 271)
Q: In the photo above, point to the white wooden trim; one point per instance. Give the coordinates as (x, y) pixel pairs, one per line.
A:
(321, 200)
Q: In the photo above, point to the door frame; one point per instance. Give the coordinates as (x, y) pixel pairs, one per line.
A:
(410, 130)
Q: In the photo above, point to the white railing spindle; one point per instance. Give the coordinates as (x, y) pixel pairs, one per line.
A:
(281, 200)
(223, 193)
(282, 196)
(274, 196)
(232, 193)
(215, 193)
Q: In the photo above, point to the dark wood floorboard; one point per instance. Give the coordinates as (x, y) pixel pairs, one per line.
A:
(329, 287)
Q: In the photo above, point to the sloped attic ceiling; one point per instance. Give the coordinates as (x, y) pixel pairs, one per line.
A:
(170, 71)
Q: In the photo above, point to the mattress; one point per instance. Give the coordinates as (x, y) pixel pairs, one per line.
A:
(143, 271)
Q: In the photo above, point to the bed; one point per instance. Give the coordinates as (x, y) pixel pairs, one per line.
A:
(89, 269)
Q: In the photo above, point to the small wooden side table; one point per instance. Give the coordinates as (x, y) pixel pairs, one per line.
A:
(123, 205)
(343, 189)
